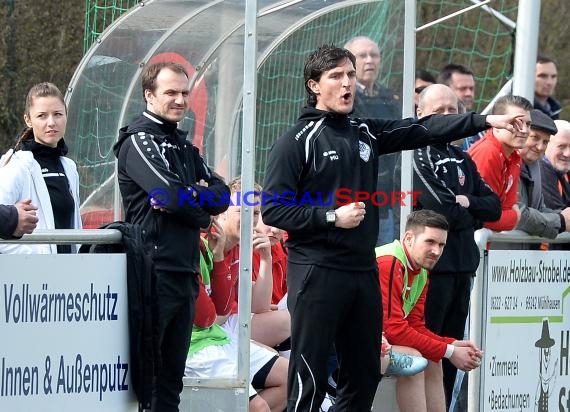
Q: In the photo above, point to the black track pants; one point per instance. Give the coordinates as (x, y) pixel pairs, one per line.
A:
(333, 306)
(176, 295)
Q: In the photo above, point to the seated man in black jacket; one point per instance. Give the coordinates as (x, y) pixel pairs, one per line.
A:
(320, 186)
(447, 182)
(17, 220)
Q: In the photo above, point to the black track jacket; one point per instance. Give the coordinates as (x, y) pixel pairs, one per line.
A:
(441, 172)
(320, 164)
(155, 159)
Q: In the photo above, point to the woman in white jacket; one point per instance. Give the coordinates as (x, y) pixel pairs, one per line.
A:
(37, 169)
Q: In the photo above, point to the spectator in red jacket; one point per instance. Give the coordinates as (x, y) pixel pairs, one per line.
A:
(403, 268)
(499, 163)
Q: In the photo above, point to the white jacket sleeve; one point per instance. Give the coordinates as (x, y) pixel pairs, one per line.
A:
(12, 187)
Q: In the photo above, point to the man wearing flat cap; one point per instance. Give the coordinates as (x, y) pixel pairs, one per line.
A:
(536, 219)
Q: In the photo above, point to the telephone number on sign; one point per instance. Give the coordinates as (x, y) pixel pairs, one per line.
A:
(504, 302)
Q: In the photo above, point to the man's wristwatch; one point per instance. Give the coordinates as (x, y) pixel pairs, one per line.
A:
(330, 218)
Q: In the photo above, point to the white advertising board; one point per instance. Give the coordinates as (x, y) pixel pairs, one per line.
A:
(64, 333)
(526, 336)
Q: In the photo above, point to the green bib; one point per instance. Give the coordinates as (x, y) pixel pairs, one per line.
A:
(214, 335)
(206, 266)
(396, 250)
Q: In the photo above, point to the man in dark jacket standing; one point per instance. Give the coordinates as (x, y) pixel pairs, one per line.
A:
(447, 182)
(163, 178)
(327, 160)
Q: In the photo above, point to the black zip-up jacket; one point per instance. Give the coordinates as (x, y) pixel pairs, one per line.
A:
(552, 107)
(325, 152)
(155, 160)
(555, 187)
(9, 221)
(441, 172)
(383, 104)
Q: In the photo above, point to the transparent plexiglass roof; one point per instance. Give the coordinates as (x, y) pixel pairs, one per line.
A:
(208, 38)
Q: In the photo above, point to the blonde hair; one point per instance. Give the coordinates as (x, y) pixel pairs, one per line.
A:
(235, 185)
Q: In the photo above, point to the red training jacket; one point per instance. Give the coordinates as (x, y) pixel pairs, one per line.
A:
(502, 174)
(410, 331)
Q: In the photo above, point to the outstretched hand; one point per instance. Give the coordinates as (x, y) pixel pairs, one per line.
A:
(511, 122)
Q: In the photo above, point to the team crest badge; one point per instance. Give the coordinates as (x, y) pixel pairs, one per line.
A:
(364, 151)
(461, 176)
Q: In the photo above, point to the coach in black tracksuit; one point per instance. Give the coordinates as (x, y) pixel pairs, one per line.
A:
(333, 286)
(159, 172)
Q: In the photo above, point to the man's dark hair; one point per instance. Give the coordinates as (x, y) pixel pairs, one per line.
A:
(150, 73)
(326, 57)
(503, 102)
(424, 75)
(445, 74)
(420, 219)
(543, 58)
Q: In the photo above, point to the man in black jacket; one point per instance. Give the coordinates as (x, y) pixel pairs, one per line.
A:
(170, 192)
(327, 160)
(17, 220)
(447, 182)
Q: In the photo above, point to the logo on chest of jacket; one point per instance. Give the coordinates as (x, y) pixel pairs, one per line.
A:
(331, 154)
(461, 176)
(364, 150)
